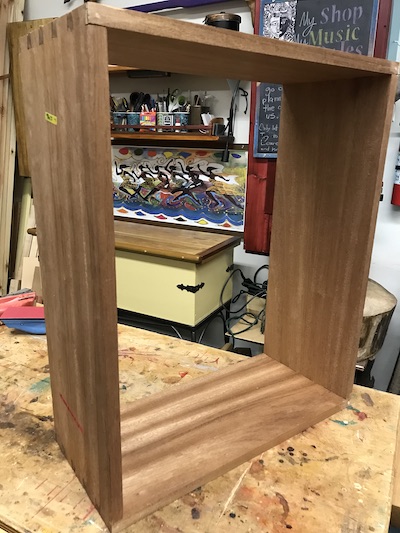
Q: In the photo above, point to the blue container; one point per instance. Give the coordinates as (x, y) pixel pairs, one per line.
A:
(133, 119)
(120, 118)
(182, 119)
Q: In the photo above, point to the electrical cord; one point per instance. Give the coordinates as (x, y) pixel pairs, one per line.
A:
(176, 331)
(256, 290)
(251, 288)
(259, 270)
(256, 319)
(219, 315)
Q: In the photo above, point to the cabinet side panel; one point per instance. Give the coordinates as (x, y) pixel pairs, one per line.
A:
(332, 147)
(15, 31)
(65, 88)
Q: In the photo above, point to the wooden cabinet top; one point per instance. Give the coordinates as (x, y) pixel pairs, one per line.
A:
(174, 243)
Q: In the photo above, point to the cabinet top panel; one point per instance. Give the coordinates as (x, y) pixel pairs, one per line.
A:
(143, 40)
(150, 41)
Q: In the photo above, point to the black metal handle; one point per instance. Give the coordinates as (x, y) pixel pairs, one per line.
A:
(190, 288)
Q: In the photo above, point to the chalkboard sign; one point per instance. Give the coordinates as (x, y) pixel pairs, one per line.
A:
(346, 25)
(268, 108)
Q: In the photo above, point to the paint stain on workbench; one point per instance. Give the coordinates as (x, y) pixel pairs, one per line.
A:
(34, 434)
(257, 470)
(367, 399)
(171, 379)
(6, 425)
(293, 457)
(6, 414)
(40, 386)
(126, 353)
(365, 473)
(344, 422)
(285, 505)
(359, 414)
(195, 513)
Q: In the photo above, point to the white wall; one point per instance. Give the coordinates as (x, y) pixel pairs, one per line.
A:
(385, 265)
(36, 9)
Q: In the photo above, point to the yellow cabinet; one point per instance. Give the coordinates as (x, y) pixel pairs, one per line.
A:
(172, 274)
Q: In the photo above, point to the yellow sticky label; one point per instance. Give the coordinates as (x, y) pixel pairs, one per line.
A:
(51, 118)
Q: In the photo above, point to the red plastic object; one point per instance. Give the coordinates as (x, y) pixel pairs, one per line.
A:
(396, 194)
(21, 300)
(26, 313)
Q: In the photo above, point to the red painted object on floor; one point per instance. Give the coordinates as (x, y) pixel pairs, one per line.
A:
(19, 313)
(17, 300)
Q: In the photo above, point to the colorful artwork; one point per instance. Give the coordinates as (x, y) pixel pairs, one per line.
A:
(180, 186)
(278, 20)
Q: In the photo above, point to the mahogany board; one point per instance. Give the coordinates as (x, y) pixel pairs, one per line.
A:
(177, 440)
(325, 137)
(15, 30)
(76, 241)
(327, 195)
(177, 46)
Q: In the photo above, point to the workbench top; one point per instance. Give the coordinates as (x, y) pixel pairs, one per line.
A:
(334, 477)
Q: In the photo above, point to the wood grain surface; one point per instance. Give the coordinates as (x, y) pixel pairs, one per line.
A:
(332, 147)
(181, 244)
(167, 437)
(178, 46)
(15, 31)
(73, 202)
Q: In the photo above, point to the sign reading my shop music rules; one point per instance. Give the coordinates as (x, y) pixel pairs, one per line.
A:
(342, 25)
(345, 25)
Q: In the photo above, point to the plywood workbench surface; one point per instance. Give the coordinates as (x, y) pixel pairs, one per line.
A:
(334, 126)
(335, 477)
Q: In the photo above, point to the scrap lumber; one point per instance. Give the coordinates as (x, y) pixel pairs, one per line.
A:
(10, 11)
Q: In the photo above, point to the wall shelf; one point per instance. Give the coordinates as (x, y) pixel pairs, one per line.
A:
(165, 137)
(172, 139)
